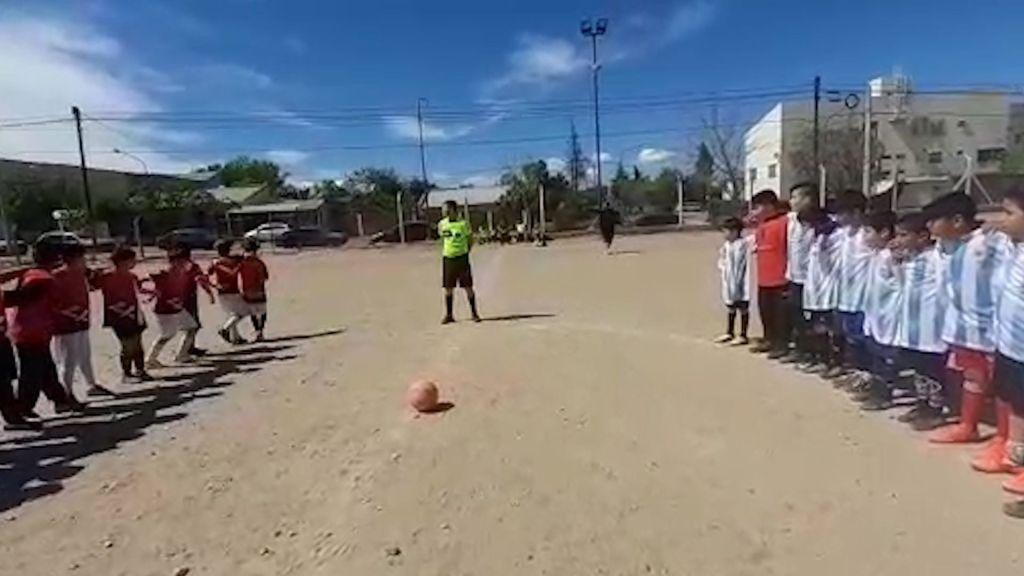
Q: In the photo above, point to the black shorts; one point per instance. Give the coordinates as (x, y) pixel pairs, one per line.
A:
(928, 364)
(8, 366)
(456, 272)
(37, 366)
(741, 306)
(127, 330)
(1009, 381)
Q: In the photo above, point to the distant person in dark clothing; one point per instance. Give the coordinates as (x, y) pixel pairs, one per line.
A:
(607, 219)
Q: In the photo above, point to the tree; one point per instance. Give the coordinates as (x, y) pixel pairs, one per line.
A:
(246, 171)
(726, 148)
(524, 192)
(841, 152)
(576, 163)
(331, 190)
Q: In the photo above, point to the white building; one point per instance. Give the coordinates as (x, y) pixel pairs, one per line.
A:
(930, 137)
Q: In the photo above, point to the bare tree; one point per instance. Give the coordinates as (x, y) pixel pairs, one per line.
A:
(726, 147)
(842, 154)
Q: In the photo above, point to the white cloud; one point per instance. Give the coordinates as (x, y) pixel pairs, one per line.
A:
(654, 156)
(685, 19)
(481, 180)
(48, 65)
(605, 158)
(287, 157)
(407, 127)
(233, 75)
(539, 61)
(555, 164)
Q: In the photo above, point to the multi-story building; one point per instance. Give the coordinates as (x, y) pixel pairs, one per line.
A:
(929, 138)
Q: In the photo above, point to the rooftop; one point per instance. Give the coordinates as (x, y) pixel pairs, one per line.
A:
(289, 207)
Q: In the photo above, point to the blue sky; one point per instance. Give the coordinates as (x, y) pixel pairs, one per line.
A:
(326, 87)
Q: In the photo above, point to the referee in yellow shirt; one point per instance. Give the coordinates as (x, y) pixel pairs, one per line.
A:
(457, 239)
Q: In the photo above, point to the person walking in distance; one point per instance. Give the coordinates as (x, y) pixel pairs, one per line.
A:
(457, 241)
(607, 219)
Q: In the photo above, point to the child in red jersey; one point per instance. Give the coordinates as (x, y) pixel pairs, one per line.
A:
(196, 280)
(10, 410)
(172, 315)
(122, 314)
(254, 275)
(224, 271)
(31, 331)
(71, 347)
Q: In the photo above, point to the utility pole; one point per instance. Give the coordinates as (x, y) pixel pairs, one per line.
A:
(423, 154)
(85, 174)
(817, 132)
(543, 217)
(868, 134)
(401, 217)
(593, 30)
(679, 200)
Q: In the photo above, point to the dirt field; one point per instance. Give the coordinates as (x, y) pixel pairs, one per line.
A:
(595, 430)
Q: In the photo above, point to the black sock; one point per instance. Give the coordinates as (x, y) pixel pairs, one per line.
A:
(472, 305)
(744, 323)
(730, 326)
(448, 305)
(126, 364)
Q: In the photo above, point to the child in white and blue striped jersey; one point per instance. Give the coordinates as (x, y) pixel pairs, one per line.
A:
(734, 265)
(854, 257)
(881, 313)
(803, 197)
(1009, 371)
(920, 348)
(821, 290)
(975, 263)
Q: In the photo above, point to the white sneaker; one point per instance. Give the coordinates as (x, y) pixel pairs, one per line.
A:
(724, 339)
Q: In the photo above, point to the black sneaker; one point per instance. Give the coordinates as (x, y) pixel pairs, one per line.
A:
(22, 426)
(30, 415)
(777, 354)
(477, 319)
(225, 335)
(912, 414)
(877, 401)
(197, 352)
(448, 320)
(928, 419)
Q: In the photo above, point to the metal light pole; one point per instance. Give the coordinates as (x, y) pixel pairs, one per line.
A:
(423, 154)
(137, 220)
(593, 30)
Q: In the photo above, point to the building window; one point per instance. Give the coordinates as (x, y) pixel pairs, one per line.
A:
(753, 174)
(935, 157)
(986, 155)
(773, 170)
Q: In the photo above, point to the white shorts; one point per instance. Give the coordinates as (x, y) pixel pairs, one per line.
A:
(171, 324)
(233, 305)
(256, 308)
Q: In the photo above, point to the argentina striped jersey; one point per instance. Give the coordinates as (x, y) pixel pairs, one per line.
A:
(821, 291)
(799, 237)
(882, 298)
(922, 304)
(734, 265)
(974, 278)
(853, 269)
(1010, 315)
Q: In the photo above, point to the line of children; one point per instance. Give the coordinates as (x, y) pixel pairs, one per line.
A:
(918, 301)
(50, 317)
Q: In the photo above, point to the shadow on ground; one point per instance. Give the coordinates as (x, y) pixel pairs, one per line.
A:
(515, 317)
(34, 465)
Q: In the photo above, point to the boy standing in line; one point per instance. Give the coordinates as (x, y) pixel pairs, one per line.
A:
(71, 345)
(881, 311)
(820, 291)
(854, 257)
(253, 274)
(770, 246)
(973, 282)
(10, 410)
(733, 259)
(172, 316)
(919, 333)
(457, 241)
(799, 237)
(1009, 369)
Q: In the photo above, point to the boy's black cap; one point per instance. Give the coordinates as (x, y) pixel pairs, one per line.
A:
(951, 205)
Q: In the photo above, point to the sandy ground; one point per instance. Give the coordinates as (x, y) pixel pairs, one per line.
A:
(602, 433)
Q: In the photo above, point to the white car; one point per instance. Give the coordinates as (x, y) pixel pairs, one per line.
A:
(269, 232)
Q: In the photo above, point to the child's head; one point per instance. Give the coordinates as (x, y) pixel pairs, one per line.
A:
(732, 227)
(879, 231)
(451, 209)
(803, 197)
(1012, 223)
(74, 256)
(224, 247)
(176, 253)
(850, 207)
(123, 258)
(46, 254)
(764, 204)
(251, 246)
(912, 234)
(952, 216)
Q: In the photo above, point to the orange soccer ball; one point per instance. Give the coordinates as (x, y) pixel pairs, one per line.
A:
(422, 396)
